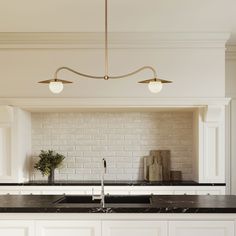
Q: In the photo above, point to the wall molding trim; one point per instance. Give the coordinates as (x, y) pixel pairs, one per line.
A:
(34, 104)
(39, 40)
(231, 52)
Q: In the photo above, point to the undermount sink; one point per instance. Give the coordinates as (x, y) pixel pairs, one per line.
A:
(77, 200)
(114, 199)
(127, 199)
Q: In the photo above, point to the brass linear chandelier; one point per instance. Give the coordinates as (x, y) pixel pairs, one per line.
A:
(154, 84)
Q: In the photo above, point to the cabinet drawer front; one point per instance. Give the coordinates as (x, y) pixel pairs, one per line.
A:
(26, 192)
(202, 228)
(117, 190)
(11, 192)
(185, 192)
(68, 228)
(16, 228)
(134, 228)
(210, 192)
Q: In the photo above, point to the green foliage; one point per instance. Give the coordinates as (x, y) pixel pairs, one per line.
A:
(48, 160)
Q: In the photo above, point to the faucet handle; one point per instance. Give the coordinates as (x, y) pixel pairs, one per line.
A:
(104, 165)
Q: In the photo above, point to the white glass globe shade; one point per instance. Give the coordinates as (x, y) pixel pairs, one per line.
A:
(155, 86)
(56, 86)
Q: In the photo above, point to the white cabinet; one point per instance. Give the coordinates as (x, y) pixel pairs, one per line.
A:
(101, 225)
(10, 192)
(210, 152)
(6, 121)
(209, 192)
(156, 190)
(68, 228)
(134, 228)
(178, 190)
(27, 192)
(184, 192)
(14, 150)
(16, 228)
(118, 190)
(70, 190)
(203, 228)
(114, 190)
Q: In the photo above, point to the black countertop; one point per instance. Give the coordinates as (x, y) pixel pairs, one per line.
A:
(159, 204)
(112, 183)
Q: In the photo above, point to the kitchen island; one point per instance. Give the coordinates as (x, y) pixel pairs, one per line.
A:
(167, 215)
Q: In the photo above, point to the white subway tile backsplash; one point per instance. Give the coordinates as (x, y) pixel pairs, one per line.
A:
(73, 165)
(66, 171)
(123, 138)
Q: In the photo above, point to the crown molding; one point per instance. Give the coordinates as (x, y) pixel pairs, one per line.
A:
(9, 40)
(51, 104)
(231, 52)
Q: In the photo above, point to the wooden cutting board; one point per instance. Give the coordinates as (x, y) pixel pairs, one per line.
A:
(163, 158)
(155, 171)
(148, 160)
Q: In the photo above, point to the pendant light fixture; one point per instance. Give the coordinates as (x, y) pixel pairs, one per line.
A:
(154, 84)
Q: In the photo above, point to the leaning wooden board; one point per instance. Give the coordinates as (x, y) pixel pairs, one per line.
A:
(163, 158)
(148, 160)
(155, 171)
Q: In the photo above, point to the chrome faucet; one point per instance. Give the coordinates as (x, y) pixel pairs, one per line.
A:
(102, 195)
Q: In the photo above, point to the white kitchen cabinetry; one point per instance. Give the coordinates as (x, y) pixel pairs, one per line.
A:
(6, 132)
(203, 228)
(114, 190)
(184, 192)
(209, 161)
(16, 228)
(178, 190)
(156, 190)
(68, 228)
(11, 192)
(71, 190)
(118, 190)
(209, 192)
(31, 224)
(15, 144)
(134, 228)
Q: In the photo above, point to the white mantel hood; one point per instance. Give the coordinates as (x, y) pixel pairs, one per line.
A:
(32, 104)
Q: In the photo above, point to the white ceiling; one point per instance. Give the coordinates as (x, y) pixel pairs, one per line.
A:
(125, 16)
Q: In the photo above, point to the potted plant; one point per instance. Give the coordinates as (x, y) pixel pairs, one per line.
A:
(48, 162)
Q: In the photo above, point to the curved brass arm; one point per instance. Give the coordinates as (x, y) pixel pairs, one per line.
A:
(135, 72)
(109, 77)
(76, 72)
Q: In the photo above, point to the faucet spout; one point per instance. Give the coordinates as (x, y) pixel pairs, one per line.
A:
(104, 163)
(102, 195)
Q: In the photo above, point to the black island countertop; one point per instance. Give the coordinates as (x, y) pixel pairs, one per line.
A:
(112, 183)
(159, 204)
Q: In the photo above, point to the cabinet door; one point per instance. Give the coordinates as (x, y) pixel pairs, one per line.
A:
(157, 190)
(210, 192)
(134, 228)
(68, 228)
(5, 153)
(116, 190)
(10, 192)
(28, 192)
(203, 228)
(185, 192)
(16, 227)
